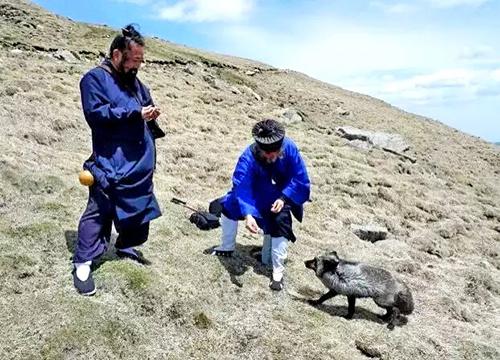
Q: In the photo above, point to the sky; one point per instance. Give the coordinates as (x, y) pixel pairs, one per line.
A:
(436, 58)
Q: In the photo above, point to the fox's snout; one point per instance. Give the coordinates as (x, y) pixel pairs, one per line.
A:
(310, 264)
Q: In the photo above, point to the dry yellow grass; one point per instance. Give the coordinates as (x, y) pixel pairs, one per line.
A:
(442, 212)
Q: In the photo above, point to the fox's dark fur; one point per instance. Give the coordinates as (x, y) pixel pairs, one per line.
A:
(357, 280)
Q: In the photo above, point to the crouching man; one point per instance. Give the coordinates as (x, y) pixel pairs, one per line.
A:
(270, 183)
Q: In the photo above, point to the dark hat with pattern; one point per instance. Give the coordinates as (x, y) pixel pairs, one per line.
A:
(269, 135)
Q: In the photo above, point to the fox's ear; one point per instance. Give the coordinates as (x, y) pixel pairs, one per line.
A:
(334, 255)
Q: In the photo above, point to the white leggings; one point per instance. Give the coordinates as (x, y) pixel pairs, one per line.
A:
(274, 249)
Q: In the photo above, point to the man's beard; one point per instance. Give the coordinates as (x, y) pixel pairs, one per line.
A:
(127, 76)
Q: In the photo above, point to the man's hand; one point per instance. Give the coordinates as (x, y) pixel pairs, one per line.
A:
(277, 206)
(251, 224)
(150, 112)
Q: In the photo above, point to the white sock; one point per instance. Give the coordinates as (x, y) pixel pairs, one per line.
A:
(83, 270)
(229, 231)
(278, 253)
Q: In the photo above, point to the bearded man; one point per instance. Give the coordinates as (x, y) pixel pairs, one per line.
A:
(122, 117)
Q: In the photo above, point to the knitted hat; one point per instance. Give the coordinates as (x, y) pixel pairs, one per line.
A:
(269, 135)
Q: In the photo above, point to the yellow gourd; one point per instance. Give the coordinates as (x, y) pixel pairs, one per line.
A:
(86, 178)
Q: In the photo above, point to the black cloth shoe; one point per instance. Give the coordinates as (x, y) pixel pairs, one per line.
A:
(276, 285)
(135, 255)
(87, 287)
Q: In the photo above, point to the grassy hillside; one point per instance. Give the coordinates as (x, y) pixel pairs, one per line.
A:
(442, 213)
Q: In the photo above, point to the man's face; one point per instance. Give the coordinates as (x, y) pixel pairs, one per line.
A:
(270, 156)
(129, 61)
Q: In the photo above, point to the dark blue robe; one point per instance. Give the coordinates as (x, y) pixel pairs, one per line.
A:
(123, 148)
(257, 184)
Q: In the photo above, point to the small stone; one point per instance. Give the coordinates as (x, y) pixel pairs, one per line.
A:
(370, 233)
(341, 111)
(235, 90)
(66, 55)
(367, 349)
(252, 72)
(212, 81)
(189, 70)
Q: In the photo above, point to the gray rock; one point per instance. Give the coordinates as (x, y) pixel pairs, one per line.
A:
(212, 81)
(252, 72)
(367, 349)
(341, 111)
(189, 70)
(289, 116)
(360, 144)
(370, 233)
(386, 141)
(250, 91)
(235, 90)
(66, 55)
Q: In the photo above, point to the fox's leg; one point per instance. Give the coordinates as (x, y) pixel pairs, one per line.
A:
(387, 315)
(323, 298)
(352, 305)
(394, 316)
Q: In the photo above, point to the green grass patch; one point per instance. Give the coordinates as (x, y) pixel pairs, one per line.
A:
(233, 78)
(82, 336)
(19, 265)
(136, 278)
(60, 89)
(52, 208)
(202, 321)
(93, 33)
(40, 185)
(156, 51)
(40, 230)
(32, 184)
(165, 231)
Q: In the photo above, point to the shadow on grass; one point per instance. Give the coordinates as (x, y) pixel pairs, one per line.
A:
(360, 313)
(243, 258)
(71, 237)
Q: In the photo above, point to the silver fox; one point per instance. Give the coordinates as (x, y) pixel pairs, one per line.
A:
(357, 280)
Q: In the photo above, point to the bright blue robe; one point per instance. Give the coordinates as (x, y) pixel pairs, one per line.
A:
(256, 185)
(123, 158)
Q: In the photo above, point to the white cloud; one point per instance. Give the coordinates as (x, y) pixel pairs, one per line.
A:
(135, 2)
(206, 10)
(446, 78)
(421, 66)
(456, 3)
(495, 74)
(443, 86)
(342, 51)
(396, 8)
(476, 52)
(400, 8)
